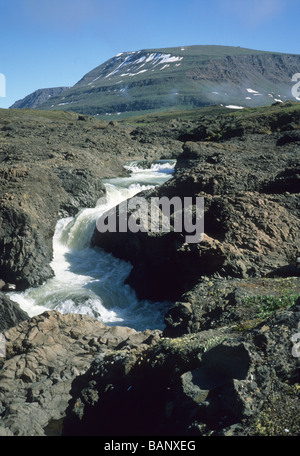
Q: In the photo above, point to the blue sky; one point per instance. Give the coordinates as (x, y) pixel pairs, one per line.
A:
(50, 43)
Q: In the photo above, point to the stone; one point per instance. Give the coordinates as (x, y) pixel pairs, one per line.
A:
(191, 385)
(10, 313)
(43, 359)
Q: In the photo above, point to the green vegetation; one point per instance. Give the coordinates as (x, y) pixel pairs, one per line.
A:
(36, 115)
(182, 113)
(191, 342)
(210, 51)
(280, 294)
(260, 118)
(265, 297)
(266, 305)
(13, 119)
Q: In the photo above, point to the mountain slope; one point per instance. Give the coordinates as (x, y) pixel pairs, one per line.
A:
(36, 98)
(187, 77)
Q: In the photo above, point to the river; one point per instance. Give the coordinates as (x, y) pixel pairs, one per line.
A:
(89, 280)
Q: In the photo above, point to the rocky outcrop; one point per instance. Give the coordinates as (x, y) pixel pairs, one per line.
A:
(10, 313)
(43, 356)
(218, 302)
(72, 375)
(250, 188)
(215, 382)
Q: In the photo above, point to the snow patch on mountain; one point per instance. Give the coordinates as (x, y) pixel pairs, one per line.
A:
(136, 61)
(133, 74)
(234, 107)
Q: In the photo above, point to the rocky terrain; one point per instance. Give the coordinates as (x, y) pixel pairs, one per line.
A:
(44, 355)
(227, 362)
(216, 382)
(247, 171)
(52, 165)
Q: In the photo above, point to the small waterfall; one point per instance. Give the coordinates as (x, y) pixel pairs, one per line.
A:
(88, 280)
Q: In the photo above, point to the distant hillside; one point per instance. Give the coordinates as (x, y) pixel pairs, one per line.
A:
(38, 97)
(182, 78)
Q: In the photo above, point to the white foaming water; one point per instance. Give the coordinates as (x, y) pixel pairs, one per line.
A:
(88, 280)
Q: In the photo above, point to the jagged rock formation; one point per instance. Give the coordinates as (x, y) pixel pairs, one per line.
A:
(10, 313)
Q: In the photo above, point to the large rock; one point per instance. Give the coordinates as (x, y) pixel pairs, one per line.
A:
(217, 302)
(10, 313)
(43, 356)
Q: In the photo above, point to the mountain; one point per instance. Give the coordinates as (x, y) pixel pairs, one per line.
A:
(38, 97)
(182, 77)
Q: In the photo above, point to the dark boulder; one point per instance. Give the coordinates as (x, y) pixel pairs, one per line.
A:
(10, 313)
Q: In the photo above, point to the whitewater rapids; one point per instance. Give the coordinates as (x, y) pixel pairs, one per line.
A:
(89, 280)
